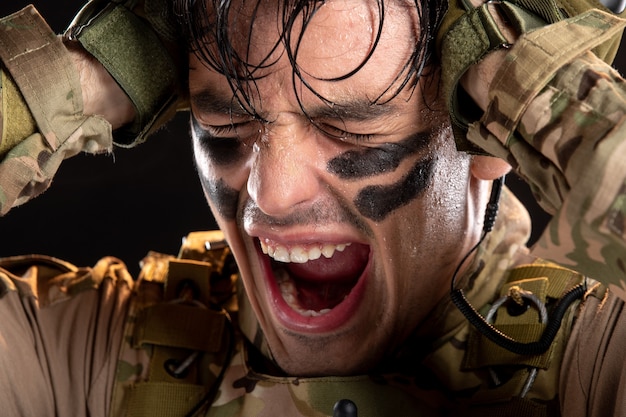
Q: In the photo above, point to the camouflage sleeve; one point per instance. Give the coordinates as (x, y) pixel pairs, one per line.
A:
(41, 113)
(557, 115)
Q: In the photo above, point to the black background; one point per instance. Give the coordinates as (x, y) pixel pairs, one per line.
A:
(129, 202)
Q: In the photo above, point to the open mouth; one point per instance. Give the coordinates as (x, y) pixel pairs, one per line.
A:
(314, 280)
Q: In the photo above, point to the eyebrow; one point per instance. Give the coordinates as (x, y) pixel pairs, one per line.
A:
(208, 101)
(356, 110)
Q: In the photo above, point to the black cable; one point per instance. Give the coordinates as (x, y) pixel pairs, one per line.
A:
(491, 212)
(479, 322)
(212, 392)
(520, 348)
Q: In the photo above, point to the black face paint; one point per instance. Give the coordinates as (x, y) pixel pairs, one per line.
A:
(378, 201)
(367, 162)
(223, 197)
(222, 151)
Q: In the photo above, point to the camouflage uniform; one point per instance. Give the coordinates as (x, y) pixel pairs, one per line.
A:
(94, 342)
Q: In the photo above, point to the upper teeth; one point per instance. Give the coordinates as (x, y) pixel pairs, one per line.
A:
(300, 254)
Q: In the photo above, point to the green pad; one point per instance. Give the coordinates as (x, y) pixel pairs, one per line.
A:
(136, 58)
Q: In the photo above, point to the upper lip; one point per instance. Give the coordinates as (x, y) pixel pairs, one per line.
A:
(304, 235)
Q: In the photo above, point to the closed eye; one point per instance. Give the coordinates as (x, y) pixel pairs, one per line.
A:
(231, 130)
(343, 135)
(224, 136)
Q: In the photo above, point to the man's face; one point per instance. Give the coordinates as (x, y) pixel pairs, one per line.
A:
(348, 221)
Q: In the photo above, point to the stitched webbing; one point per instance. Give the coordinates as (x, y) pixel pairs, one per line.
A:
(162, 399)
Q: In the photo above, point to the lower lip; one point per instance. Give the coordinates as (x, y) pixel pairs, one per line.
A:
(294, 321)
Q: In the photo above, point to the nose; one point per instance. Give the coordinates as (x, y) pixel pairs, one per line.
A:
(284, 172)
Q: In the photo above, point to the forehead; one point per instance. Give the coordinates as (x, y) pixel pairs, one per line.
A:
(361, 41)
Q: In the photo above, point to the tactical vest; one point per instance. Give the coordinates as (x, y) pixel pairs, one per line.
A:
(515, 384)
(183, 327)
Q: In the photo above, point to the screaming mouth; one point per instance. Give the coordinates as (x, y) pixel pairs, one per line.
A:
(315, 278)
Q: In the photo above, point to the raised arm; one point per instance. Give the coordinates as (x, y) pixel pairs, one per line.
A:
(85, 91)
(554, 110)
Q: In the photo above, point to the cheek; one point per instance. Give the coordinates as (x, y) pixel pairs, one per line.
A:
(376, 202)
(222, 198)
(381, 198)
(222, 176)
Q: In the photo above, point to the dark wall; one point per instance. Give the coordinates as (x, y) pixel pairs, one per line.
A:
(129, 202)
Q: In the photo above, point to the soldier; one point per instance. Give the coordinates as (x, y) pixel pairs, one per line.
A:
(352, 153)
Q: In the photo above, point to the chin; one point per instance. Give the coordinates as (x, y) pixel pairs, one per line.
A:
(322, 358)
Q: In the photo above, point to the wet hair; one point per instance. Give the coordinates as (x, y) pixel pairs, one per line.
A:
(207, 29)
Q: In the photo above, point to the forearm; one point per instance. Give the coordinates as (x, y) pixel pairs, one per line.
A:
(101, 96)
(556, 113)
(67, 100)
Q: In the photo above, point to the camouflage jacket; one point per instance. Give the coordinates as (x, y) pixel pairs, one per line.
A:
(556, 114)
(41, 120)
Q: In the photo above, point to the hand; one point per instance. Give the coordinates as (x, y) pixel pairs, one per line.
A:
(135, 41)
(101, 94)
(468, 33)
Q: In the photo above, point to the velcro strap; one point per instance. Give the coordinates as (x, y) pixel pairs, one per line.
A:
(136, 58)
(181, 326)
(16, 122)
(162, 399)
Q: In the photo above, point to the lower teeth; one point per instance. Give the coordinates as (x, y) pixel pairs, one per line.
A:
(290, 295)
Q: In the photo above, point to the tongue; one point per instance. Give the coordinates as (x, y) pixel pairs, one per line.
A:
(324, 283)
(318, 297)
